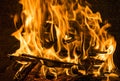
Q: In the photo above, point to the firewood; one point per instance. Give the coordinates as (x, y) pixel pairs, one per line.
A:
(52, 63)
(47, 62)
(21, 74)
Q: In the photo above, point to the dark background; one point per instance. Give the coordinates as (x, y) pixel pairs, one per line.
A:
(109, 10)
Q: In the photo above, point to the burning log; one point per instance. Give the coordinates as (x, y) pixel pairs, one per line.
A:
(52, 63)
(47, 62)
(23, 72)
(21, 58)
(25, 69)
(33, 60)
(86, 64)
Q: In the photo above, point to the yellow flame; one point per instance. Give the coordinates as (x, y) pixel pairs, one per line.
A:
(69, 27)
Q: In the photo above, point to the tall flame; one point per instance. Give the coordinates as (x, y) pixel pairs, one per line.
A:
(65, 31)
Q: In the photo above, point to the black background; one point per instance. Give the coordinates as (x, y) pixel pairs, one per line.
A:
(109, 9)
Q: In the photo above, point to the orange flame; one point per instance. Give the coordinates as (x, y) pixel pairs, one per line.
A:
(65, 31)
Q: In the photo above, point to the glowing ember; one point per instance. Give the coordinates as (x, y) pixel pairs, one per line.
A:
(65, 31)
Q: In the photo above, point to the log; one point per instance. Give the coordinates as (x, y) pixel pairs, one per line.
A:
(52, 63)
(47, 62)
(21, 74)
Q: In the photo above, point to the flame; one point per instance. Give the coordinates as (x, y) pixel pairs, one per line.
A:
(65, 31)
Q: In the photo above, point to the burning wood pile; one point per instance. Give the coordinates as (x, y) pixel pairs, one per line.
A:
(35, 64)
(62, 39)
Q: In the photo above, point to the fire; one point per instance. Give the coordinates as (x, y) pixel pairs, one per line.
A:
(65, 31)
